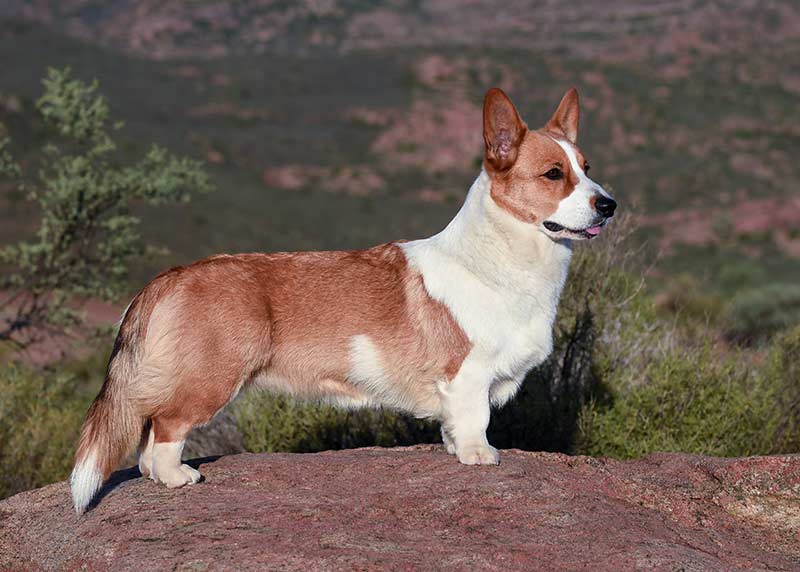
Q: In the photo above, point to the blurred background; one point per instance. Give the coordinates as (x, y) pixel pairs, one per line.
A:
(330, 125)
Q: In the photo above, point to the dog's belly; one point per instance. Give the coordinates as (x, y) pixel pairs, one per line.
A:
(359, 373)
(332, 390)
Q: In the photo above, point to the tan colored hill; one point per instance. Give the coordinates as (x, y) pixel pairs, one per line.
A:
(417, 509)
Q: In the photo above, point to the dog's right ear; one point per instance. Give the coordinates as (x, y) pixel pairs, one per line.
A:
(503, 130)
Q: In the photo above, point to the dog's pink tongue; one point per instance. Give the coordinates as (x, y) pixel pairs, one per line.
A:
(594, 230)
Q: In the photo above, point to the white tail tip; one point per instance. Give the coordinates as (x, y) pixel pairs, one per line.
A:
(85, 481)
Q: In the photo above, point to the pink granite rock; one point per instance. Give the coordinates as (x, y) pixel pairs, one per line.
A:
(417, 509)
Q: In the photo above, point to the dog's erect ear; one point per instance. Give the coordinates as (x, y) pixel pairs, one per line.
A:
(565, 120)
(503, 130)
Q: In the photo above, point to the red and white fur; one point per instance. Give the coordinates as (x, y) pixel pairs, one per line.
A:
(442, 327)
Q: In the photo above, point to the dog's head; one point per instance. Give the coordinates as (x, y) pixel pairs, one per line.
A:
(540, 177)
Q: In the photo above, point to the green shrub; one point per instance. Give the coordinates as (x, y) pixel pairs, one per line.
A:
(690, 304)
(756, 314)
(87, 236)
(40, 418)
(271, 422)
(781, 373)
(695, 402)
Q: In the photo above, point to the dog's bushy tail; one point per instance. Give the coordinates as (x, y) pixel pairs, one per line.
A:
(112, 426)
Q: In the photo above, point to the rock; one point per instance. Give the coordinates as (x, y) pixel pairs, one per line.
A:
(417, 509)
(220, 436)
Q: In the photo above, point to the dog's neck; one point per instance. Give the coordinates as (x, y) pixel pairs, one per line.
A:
(491, 242)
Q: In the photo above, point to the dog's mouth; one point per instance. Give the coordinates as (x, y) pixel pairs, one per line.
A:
(588, 232)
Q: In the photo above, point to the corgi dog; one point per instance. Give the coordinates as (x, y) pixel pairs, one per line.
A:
(443, 328)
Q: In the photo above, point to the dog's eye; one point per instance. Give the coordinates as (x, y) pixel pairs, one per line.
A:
(586, 167)
(554, 174)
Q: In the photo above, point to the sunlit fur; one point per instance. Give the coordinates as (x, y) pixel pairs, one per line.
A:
(441, 327)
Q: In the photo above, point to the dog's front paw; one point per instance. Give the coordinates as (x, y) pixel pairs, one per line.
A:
(478, 455)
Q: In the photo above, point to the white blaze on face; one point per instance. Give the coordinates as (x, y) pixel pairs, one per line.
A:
(576, 211)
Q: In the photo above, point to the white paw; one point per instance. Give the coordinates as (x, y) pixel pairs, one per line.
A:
(478, 455)
(177, 477)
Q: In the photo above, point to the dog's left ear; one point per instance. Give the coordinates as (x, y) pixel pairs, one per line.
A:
(565, 120)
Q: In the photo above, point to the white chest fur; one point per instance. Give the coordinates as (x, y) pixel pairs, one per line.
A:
(501, 280)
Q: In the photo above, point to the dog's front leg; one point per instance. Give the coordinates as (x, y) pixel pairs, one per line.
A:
(466, 409)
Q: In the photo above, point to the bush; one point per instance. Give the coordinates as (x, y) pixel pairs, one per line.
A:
(87, 236)
(40, 419)
(782, 373)
(270, 422)
(757, 314)
(696, 403)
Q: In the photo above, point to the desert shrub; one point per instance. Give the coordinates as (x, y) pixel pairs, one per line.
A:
(756, 314)
(700, 403)
(270, 422)
(85, 243)
(781, 373)
(690, 304)
(689, 403)
(40, 418)
(87, 236)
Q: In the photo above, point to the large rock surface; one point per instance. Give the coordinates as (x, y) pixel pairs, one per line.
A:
(418, 509)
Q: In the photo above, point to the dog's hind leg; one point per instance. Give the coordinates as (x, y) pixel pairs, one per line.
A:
(169, 437)
(194, 403)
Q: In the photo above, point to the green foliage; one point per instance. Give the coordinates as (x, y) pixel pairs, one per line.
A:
(782, 374)
(755, 314)
(696, 403)
(688, 403)
(40, 419)
(692, 305)
(8, 167)
(87, 238)
(278, 423)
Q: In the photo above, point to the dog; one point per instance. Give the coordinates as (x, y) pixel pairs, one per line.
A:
(443, 328)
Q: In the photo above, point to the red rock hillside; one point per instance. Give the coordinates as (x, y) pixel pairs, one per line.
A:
(417, 509)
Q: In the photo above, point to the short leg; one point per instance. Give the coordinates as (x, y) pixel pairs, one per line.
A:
(466, 416)
(167, 448)
(186, 410)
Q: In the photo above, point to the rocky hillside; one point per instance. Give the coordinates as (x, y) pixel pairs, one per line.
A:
(416, 509)
(340, 124)
(611, 30)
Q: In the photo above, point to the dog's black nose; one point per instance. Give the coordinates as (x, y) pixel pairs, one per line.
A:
(605, 206)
